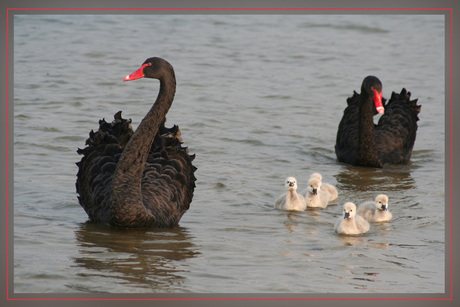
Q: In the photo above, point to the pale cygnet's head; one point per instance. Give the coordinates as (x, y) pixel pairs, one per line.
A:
(290, 183)
(314, 185)
(349, 210)
(381, 202)
(317, 176)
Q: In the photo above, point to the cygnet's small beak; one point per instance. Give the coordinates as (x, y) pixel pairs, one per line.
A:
(384, 208)
(347, 215)
(315, 191)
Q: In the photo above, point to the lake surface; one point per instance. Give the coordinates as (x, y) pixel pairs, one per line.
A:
(259, 98)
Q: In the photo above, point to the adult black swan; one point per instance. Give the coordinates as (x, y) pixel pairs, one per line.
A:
(362, 143)
(138, 179)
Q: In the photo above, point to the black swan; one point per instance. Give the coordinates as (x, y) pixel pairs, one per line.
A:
(138, 179)
(362, 143)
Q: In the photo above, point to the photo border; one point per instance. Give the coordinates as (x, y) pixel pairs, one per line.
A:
(218, 7)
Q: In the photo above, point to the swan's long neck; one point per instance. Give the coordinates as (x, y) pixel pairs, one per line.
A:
(291, 195)
(367, 151)
(129, 172)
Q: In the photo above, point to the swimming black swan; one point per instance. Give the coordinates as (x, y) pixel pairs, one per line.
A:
(138, 179)
(361, 143)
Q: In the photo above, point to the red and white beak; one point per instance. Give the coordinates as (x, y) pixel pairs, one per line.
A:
(378, 101)
(137, 74)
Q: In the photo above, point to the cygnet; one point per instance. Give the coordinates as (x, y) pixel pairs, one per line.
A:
(332, 190)
(291, 200)
(316, 196)
(376, 211)
(351, 223)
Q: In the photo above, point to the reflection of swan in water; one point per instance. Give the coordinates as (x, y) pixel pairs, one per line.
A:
(351, 178)
(148, 259)
(363, 241)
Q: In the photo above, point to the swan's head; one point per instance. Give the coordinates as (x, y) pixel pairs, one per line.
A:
(290, 184)
(381, 202)
(152, 68)
(314, 185)
(373, 87)
(317, 176)
(349, 210)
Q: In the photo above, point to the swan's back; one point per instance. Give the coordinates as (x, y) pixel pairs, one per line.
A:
(168, 180)
(331, 191)
(97, 166)
(280, 202)
(397, 129)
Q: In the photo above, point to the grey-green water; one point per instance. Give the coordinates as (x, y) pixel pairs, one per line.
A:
(259, 98)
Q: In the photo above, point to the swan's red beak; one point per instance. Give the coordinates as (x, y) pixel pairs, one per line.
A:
(137, 74)
(378, 101)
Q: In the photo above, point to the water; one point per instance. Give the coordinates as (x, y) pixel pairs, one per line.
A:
(259, 98)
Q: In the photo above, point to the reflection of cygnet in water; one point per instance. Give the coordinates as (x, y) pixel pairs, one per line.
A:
(291, 200)
(351, 224)
(376, 211)
(319, 195)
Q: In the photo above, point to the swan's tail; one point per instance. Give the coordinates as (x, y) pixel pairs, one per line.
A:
(117, 132)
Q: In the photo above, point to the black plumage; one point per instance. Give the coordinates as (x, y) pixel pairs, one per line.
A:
(138, 179)
(362, 143)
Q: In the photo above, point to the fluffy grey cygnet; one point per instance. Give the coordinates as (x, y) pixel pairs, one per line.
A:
(290, 200)
(351, 223)
(376, 211)
(317, 194)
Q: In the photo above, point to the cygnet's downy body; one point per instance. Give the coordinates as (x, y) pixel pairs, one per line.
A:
(376, 211)
(351, 223)
(291, 200)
